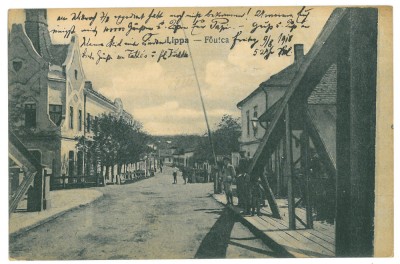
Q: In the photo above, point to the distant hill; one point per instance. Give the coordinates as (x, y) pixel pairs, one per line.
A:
(178, 141)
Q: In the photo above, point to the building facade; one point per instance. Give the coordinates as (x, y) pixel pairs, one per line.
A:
(51, 103)
(260, 100)
(166, 156)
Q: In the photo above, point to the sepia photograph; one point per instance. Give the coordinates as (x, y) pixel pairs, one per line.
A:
(200, 132)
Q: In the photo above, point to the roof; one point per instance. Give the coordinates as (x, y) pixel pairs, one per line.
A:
(99, 95)
(256, 91)
(280, 79)
(284, 77)
(189, 150)
(325, 91)
(167, 152)
(59, 53)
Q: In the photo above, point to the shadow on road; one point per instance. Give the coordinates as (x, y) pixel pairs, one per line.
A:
(216, 241)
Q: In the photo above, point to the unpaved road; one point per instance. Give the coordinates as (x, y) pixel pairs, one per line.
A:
(150, 219)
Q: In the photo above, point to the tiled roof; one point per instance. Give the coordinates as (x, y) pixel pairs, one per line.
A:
(325, 91)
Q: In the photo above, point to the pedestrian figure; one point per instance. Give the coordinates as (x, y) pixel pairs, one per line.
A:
(175, 174)
(184, 174)
(228, 175)
(256, 197)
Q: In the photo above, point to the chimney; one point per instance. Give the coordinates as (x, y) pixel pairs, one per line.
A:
(37, 30)
(298, 53)
(88, 85)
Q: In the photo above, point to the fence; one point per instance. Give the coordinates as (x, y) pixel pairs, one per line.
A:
(70, 182)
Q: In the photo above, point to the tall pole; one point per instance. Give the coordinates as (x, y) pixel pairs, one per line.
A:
(201, 98)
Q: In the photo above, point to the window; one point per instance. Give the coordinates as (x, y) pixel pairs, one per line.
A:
(255, 116)
(30, 115)
(55, 112)
(71, 117)
(17, 65)
(71, 163)
(88, 122)
(80, 120)
(248, 122)
(76, 74)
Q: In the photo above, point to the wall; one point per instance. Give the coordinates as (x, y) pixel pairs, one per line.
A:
(27, 81)
(258, 100)
(75, 80)
(96, 107)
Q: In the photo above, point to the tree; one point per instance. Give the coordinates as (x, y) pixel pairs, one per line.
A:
(226, 136)
(115, 141)
(225, 139)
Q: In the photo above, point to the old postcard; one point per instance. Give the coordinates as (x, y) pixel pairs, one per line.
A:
(210, 132)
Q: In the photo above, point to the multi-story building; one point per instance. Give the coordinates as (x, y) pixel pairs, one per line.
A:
(51, 103)
(264, 97)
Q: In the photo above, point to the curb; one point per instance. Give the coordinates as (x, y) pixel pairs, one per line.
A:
(258, 233)
(23, 230)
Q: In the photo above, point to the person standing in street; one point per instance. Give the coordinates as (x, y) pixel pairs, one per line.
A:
(256, 193)
(228, 175)
(184, 174)
(175, 171)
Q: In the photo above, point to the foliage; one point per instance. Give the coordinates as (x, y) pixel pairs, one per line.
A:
(226, 136)
(115, 141)
(225, 139)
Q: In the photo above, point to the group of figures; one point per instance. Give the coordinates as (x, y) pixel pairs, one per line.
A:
(250, 192)
(189, 175)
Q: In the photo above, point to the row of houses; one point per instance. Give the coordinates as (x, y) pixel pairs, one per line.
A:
(51, 102)
(182, 157)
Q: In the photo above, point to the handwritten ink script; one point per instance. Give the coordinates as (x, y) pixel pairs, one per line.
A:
(165, 34)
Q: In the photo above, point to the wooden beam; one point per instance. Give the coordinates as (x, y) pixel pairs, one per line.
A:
(319, 145)
(278, 169)
(305, 156)
(289, 169)
(356, 98)
(269, 194)
(21, 191)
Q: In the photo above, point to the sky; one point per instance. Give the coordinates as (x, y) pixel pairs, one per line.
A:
(163, 95)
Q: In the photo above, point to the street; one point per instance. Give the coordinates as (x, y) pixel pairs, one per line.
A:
(149, 219)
